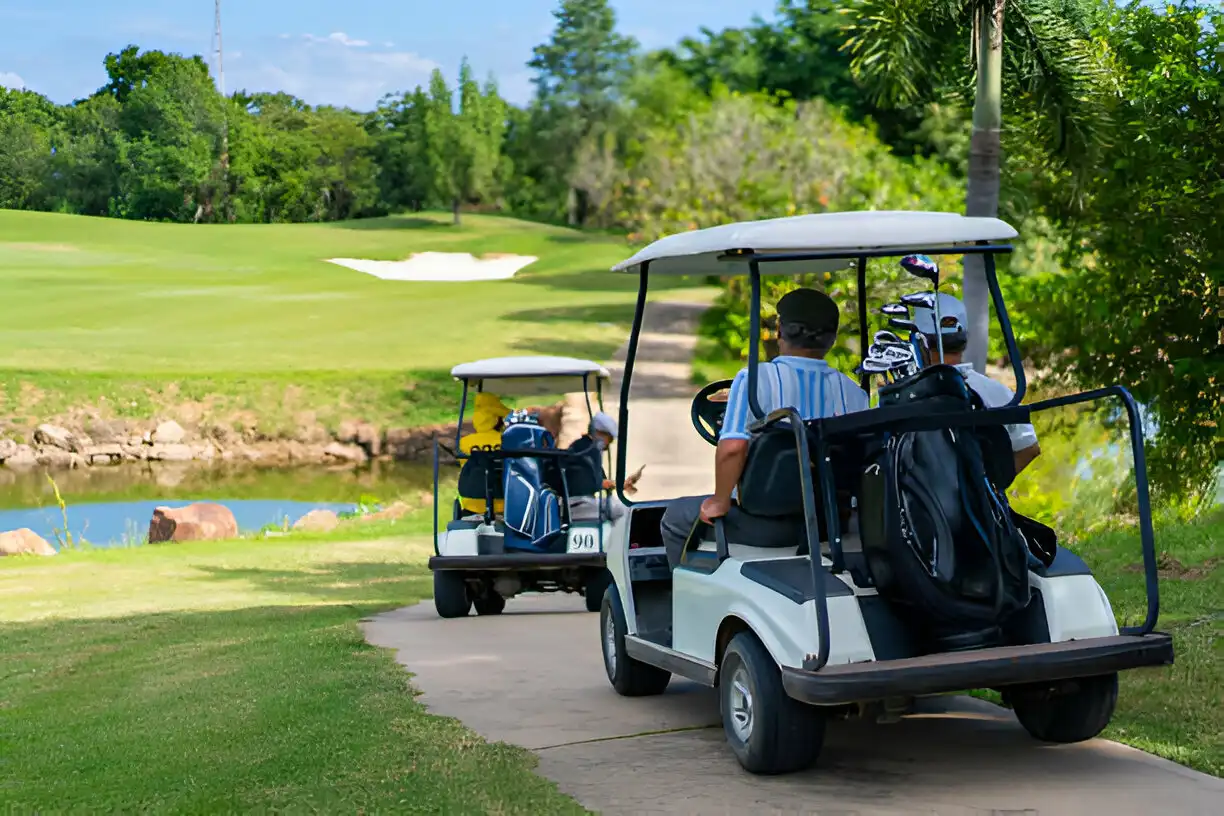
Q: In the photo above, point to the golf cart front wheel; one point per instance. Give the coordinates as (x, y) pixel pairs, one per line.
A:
(1074, 712)
(451, 597)
(630, 678)
(768, 732)
(491, 604)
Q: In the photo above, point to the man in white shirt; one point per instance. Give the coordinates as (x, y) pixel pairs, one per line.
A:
(953, 326)
(797, 378)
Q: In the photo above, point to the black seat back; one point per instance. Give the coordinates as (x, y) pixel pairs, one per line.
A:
(479, 473)
(770, 485)
(583, 468)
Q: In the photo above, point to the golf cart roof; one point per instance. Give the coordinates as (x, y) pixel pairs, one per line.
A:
(846, 235)
(526, 376)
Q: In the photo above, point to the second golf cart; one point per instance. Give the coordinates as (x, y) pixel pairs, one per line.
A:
(888, 564)
(515, 526)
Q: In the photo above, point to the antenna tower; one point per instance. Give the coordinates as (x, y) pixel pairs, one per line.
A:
(217, 52)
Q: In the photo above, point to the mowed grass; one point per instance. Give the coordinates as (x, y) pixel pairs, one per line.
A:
(231, 677)
(235, 321)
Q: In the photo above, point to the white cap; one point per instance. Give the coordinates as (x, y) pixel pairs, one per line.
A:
(602, 423)
(952, 317)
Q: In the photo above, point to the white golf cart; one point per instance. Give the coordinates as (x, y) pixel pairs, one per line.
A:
(512, 528)
(796, 627)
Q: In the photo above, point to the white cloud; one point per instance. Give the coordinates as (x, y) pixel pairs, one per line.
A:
(333, 70)
(10, 80)
(337, 37)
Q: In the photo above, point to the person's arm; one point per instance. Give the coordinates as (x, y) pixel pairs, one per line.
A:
(732, 451)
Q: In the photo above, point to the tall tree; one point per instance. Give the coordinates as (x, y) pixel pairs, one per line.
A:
(579, 74)
(912, 51)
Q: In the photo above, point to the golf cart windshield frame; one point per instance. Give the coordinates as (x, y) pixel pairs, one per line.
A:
(821, 431)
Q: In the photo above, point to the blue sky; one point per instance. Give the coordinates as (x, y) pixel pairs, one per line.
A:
(344, 53)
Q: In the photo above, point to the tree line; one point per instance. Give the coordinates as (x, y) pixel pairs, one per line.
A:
(1094, 126)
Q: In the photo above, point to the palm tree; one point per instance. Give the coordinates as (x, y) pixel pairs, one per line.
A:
(907, 52)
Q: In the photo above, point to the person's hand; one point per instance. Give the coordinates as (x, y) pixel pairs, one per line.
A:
(608, 484)
(713, 508)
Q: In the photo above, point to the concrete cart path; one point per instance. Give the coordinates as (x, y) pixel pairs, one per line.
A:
(660, 433)
(534, 677)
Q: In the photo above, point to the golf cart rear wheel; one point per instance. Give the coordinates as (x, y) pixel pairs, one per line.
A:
(596, 584)
(1076, 712)
(768, 731)
(630, 678)
(491, 604)
(451, 597)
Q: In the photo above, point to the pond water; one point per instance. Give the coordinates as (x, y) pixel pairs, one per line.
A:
(112, 506)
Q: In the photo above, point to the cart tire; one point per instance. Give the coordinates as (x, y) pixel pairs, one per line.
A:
(597, 583)
(630, 678)
(451, 594)
(1079, 713)
(768, 732)
(491, 604)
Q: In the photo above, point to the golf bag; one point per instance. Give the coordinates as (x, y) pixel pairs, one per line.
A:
(939, 538)
(532, 513)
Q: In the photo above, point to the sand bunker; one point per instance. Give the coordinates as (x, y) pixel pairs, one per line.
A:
(441, 266)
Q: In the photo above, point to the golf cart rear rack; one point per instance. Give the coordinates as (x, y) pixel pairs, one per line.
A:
(979, 668)
(824, 430)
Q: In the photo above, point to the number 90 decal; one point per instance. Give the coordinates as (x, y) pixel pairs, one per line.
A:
(581, 541)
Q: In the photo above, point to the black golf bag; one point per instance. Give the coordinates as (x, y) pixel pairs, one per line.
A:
(938, 536)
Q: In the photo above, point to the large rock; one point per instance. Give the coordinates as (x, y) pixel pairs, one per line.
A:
(345, 453)
(168, 433)
(57, 458)
(317, 521)
(7, 448)
(23, 457)
(195, 522)
(370, 438)
(24, 542)
(56, 437)
(104, 432)
(170, 453)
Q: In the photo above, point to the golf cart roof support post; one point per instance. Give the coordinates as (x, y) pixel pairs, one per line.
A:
(865, 377)
(1009, 337)
(1146, 537)
(586, 394)
(459, 424)
(812, 529)
(635, 333)
(435, 494)
(754, 339)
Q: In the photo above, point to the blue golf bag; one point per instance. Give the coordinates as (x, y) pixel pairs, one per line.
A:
(532, 513)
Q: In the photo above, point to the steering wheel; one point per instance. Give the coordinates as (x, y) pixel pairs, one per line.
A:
(707, 413)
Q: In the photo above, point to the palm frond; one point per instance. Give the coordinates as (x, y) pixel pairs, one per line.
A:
(897, 47)
(1058, 69)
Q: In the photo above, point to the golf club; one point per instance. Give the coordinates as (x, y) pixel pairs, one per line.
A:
(920, 266)
(924, 299)
(894, 310)
(904, 325)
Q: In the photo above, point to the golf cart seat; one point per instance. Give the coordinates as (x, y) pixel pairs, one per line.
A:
(769, 500)
(480, 476)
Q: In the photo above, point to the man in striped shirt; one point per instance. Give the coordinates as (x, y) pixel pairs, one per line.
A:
(799, 378)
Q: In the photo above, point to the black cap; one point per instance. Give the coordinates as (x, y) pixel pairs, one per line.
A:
(809, 308)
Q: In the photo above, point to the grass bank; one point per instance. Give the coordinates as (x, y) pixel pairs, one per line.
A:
(240, 323)
(231, 677)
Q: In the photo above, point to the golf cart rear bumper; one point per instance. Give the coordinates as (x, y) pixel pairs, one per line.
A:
(981, 668)
(517, 561)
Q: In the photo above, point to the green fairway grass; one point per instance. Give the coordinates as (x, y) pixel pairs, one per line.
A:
(136, 318)
(231, 678)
